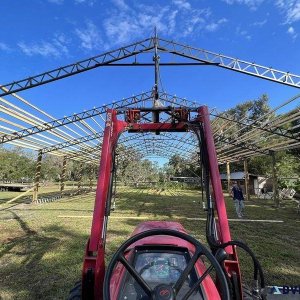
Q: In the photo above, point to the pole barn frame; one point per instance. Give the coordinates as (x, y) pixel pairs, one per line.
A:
(79, 136)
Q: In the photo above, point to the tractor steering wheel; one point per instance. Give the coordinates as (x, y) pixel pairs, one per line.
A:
(165, 291)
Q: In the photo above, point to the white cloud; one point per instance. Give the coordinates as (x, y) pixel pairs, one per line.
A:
(56, 1)
(121, 27)
(215, 25)
(291, 9)
(125, 23)
(291, 31)
(54, 48)
(120, 4)
(243, 33)
(182, 4)
(260, 23)
(4, 47)
(89, 36)
(88, 2)
(253, 4)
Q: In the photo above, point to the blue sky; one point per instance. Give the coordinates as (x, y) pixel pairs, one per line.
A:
(39, 35)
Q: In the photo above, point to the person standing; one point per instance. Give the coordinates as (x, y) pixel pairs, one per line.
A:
(238, 198)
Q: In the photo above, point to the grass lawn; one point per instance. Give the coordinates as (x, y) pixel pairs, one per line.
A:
(50, 189)
(42, 245)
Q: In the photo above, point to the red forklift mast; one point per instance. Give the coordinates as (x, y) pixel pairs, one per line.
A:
(94, 259)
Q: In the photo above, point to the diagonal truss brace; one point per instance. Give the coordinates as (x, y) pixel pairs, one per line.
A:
(241, 145)
(138, 100)
(230, 63)
(196, 54)
(78, 67)
(73, 142)
(273, 130)
(73, 118)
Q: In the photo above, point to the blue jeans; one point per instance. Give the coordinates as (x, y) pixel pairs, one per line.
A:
(239, 207)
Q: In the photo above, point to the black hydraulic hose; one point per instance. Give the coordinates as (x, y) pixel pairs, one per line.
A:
(213, 243)
(110, 190)
(210, 229)
(257, 265)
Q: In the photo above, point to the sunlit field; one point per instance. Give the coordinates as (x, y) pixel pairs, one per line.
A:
(42, 245)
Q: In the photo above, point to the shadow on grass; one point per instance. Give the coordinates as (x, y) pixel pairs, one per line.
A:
(158, 205)
(40, 265)
(44, 263)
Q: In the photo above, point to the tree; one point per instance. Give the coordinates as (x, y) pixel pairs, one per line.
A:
(132, 168)
(16, 165)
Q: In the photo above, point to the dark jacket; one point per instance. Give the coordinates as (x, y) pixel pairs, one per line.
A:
(237, 193)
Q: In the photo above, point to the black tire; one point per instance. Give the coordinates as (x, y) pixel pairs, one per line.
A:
(75, 293)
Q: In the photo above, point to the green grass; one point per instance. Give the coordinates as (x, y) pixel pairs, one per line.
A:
(53, 188)
(42, 248)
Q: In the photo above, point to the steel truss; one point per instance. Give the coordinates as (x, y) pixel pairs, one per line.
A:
(230, 63)
(254, 138)
(73, 142)
(164, 136)
(78, 67)
(148, 45)
(134, 101)
(286, 133)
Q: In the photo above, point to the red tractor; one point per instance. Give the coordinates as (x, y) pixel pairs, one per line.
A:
(161, 260)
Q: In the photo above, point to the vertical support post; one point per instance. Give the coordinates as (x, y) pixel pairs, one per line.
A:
(63, 174)
(155, 115)
(91, 178)
(274, 179)
(79, 183)
(37, 176)
(228, 177)
(246, 179)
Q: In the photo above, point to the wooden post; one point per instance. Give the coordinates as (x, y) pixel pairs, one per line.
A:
(247, 194)
(63, 174)
(37, 176)
(228, 177)
(274, 179)
(79, 183)
(91, 177)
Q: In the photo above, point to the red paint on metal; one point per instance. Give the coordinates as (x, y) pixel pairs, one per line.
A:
(224, 232)
(95, 250)
(222, 222)
(208, 285)
(96, 243)
(102, 185)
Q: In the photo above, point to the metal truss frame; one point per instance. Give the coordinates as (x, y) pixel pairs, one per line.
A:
(230, 63)
(135, 101)
(286, 133)
(150, 138)
(73, 142)
(160, 148)
(78, 67)
(229, 146)
(196, 54)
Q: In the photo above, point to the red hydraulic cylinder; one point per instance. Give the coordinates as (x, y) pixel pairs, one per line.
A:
(215, 178)
(102, 185)
(95, 250)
